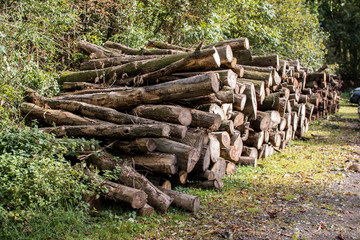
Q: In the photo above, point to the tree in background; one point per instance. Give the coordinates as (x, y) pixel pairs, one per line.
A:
(341, 18)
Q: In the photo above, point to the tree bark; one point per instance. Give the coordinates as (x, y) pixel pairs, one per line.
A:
(133, 51)
(147, 210)
(96, 51)
(111, 131)
(164, 45)
(164, 113)
(187, 156)
(184, 201)
(266, 77)
(235, 44)
(169, 91)
(248, 161)
(139, 145)
(262, 121)
(206, 120)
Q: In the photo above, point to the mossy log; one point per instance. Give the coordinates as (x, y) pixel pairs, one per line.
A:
(184, 201)
(266, 77)
(164, 45)
(96, 51)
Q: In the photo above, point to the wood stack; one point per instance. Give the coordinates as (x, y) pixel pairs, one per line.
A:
(181, 116)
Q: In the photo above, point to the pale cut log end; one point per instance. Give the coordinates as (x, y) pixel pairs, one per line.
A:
(217, 59)
(139, 200)
(196, 205)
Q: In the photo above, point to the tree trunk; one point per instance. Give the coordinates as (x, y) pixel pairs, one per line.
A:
(187, 156)
(132, 51)
(111, 131)
(96, 51)
(164, 113)
(169, 91)
(235, 44)
(155, 162)
(114, 61)
(206, 120)
(50, 117)
(117, 192)
(184, 201)
(139, 145)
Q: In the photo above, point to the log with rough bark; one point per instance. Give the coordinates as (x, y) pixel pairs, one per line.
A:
(111, 131)
(248, 161)
(213, 108)
(154, 162)
(228, 126)
(235, 44)
(114, 61)
(186, 155)
(96, 51)
(255, 139)
(138, 145)
(164, 45)
(169, 91)
(262, 121)
(129, 177)
(206, 120)
(223, 137)
(209, 184)
(146, 210)
(164, 113)
(133, 51)
(250, 152)
(266, 77)
(226, 55)
(50, 117)
(242, 55)
(120, 193)
(72, 86)
(264, 61)
(184, 201)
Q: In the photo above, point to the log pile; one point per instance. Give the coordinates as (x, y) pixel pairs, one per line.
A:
(181, 116)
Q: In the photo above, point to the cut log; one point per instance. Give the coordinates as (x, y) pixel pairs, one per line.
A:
(114, 61)
(275, 118)
(139, 145)
(259, 88)
(237, 118)
(242, 55)
(72, 86)
(146, 210)
(133, 51)
(223, 138)
(50, 117)
(210, 184)
(230, 168)
(275, 139)
(255, 139)
(204, 160)
(186, 155)
(206, 120)
(250, 152)
(230, 153)
(184, 201)
(227, 126)
(235, 44)
(214, 147)
(111, 131)
(225, 54)
(154, 162)
(96, 51)
(248, 161)
(129, 177)
(266, 77)
(164, 113)
(219, 168)
(262, 121)
(264, 61)
(120, 193)
(164, 45)
(213, 108)
(169, 91)
(250, 108)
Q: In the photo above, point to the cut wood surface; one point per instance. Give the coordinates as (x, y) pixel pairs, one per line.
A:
(184, 201)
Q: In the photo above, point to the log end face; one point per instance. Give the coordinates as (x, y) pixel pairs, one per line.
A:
(139, 200)
(196, 205)
(185, 117)
(215, 84)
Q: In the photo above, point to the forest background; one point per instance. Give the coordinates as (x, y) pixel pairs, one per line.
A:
(38, 40)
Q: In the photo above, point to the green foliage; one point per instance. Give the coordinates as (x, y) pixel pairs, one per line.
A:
(34, 175)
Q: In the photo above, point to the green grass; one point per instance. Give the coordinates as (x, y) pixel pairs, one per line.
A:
(301, 171)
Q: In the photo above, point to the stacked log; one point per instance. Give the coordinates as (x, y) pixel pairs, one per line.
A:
(182, 116)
